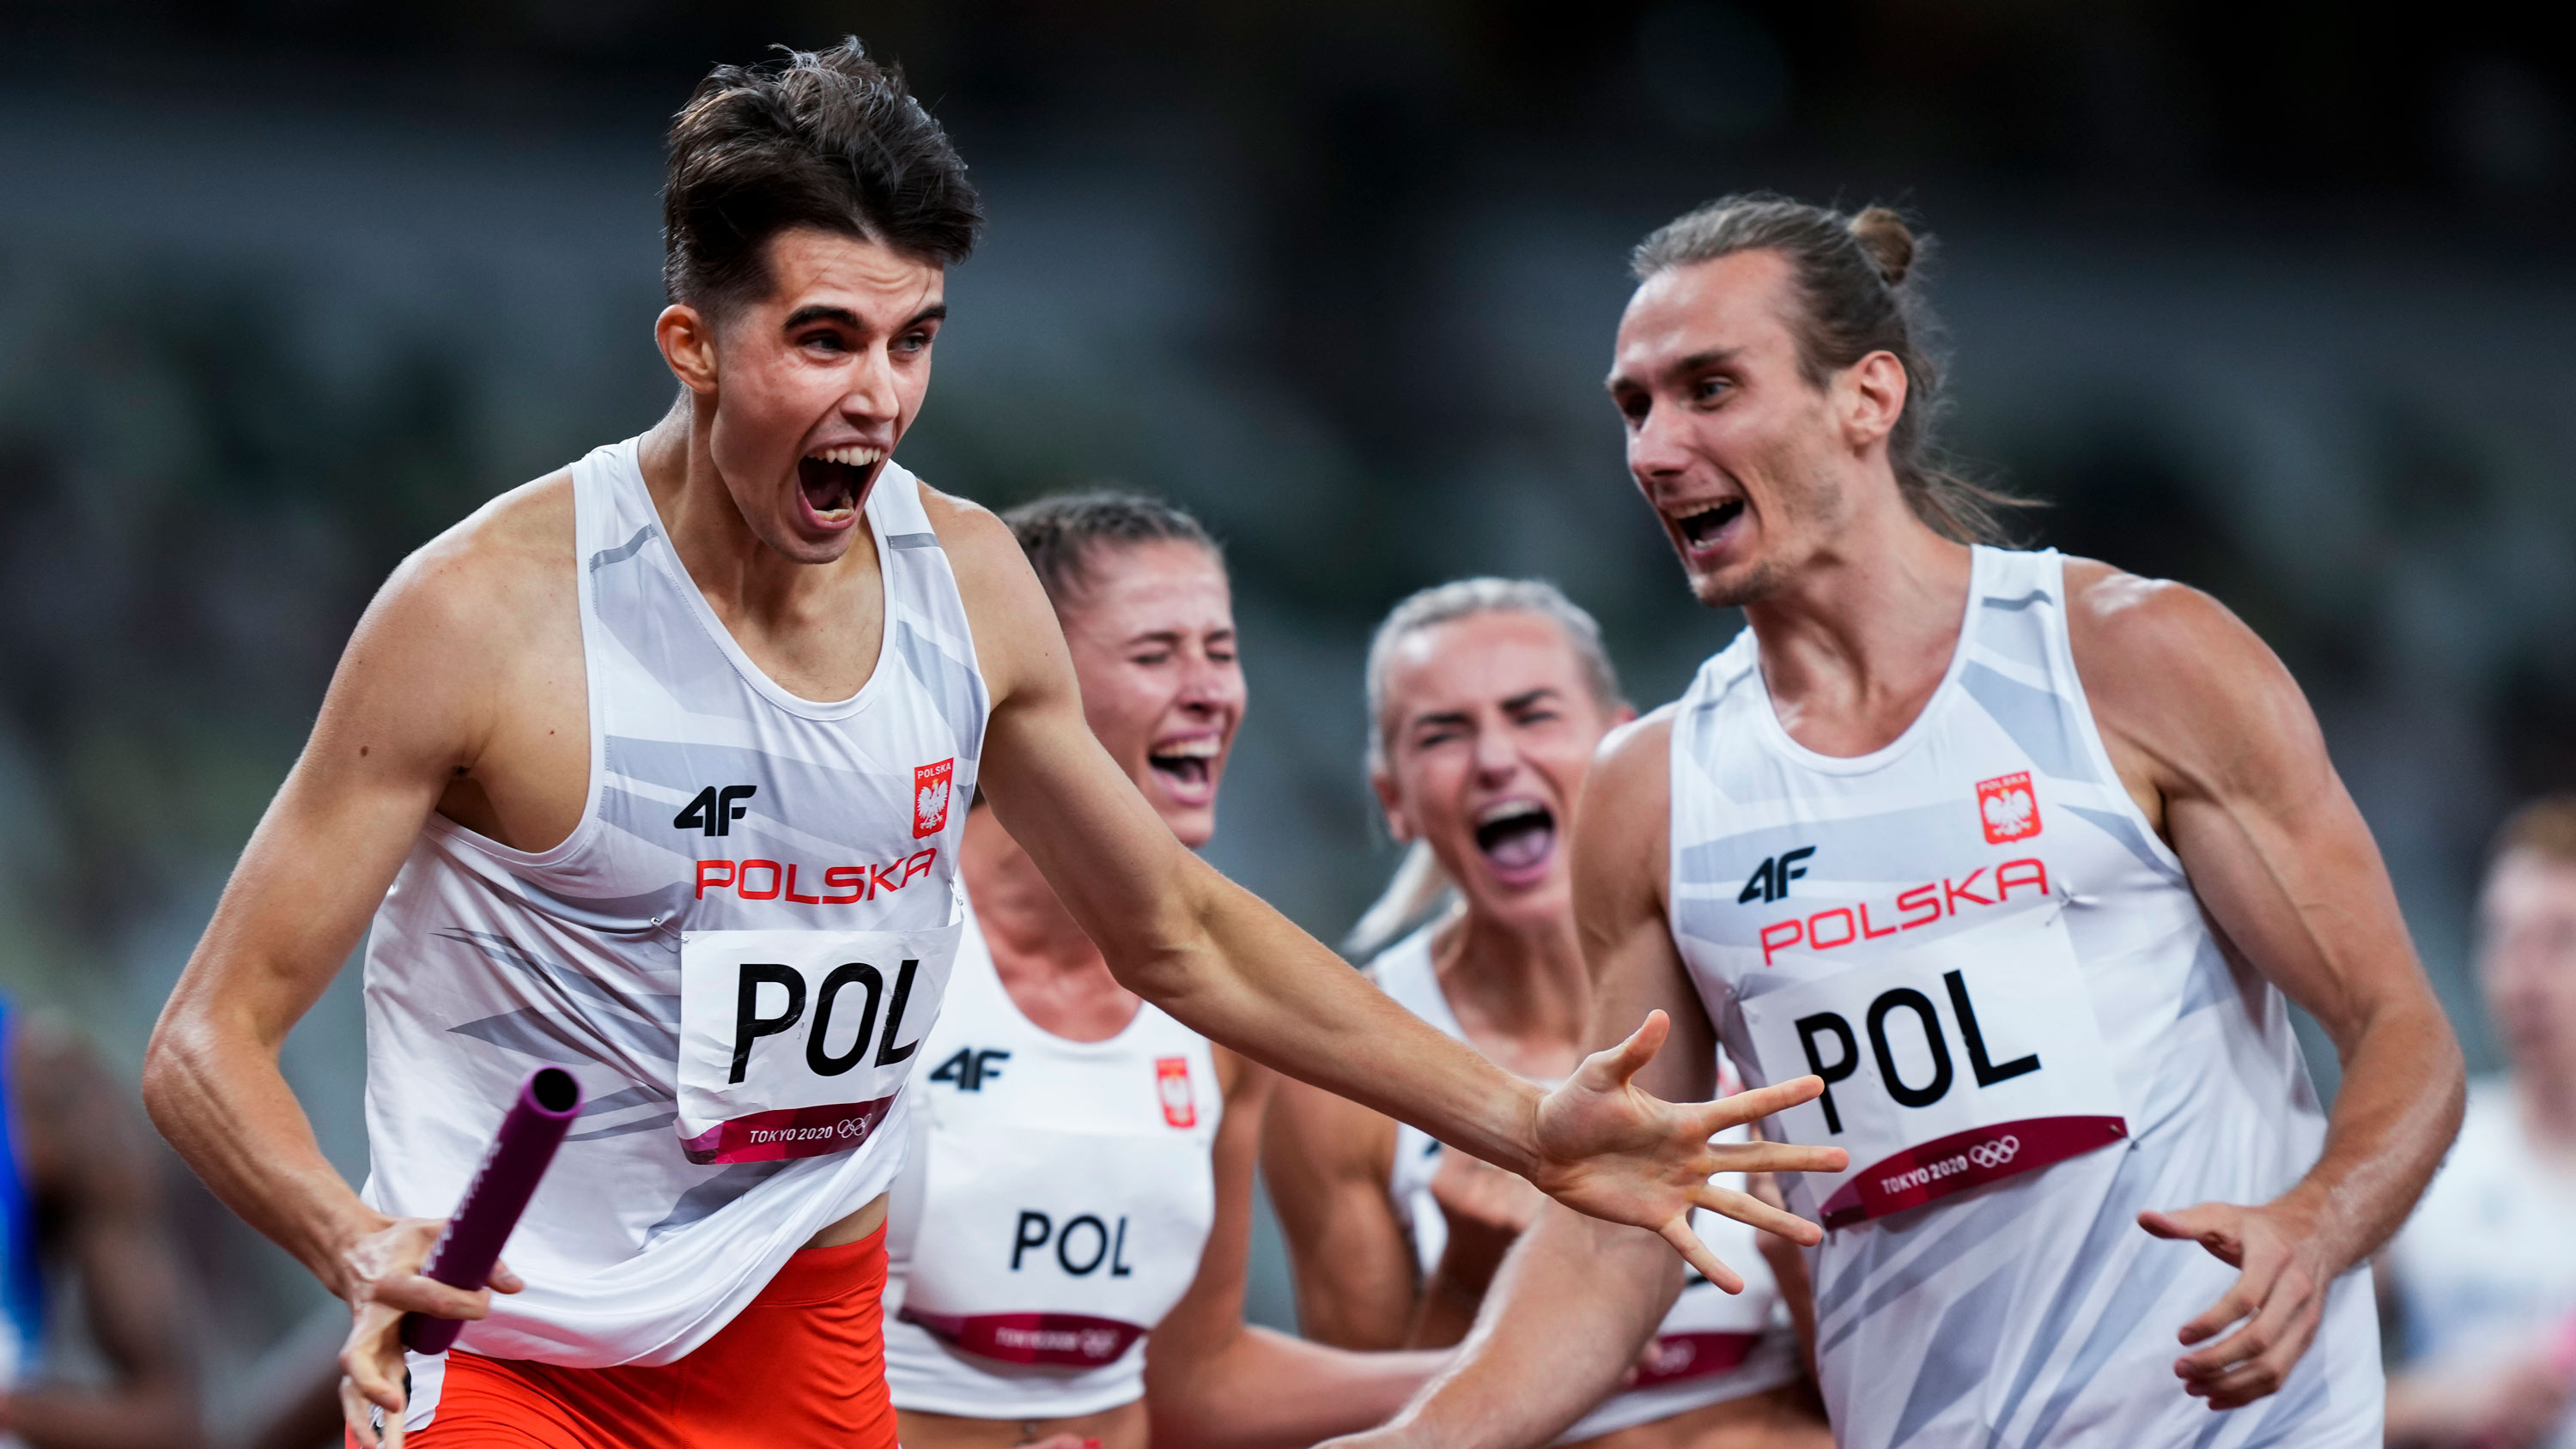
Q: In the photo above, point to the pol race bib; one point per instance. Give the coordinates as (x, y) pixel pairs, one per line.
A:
(1965, 1060)
(795, 1043)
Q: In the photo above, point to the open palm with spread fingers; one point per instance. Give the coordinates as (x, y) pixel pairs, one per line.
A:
(1610, 1149)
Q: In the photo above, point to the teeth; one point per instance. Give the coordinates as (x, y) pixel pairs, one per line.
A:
(851, 457)
(1502, 810)
(1200, 749)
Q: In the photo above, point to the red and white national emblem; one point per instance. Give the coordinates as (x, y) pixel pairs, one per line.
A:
(930, 797)
(2007, 808)
(1172, 1084)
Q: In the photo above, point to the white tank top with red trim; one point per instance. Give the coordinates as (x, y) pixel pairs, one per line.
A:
(1054, 1207)
(1713, 1346)
(737, 951)
(2028, 1033)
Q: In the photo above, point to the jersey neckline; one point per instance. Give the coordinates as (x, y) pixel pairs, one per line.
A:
(1776, 737)
(629, 474)
(992, 965)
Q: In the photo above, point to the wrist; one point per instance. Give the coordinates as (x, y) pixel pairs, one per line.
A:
(334, 1240)
(2309, 1214)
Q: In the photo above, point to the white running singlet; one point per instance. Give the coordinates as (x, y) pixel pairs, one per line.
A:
(737, 951)
(2485, 1270)
(2029, 1035)
(1052, 1210)
(1713, 1346)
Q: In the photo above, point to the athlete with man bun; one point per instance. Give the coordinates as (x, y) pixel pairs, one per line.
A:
(2018, 852)
(1487, 698)
(1068, 1239)
(657, 768)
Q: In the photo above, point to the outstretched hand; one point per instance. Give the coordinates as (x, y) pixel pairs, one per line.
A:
(2279, 1296)
(382, 1282)
(1609, 1149)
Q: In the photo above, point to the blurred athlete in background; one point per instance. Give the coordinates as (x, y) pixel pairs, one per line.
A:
(657, 767)
(2021, 854)
(79, 1186)
(1486, 700)
(2484, 1274)
(1067, 1242)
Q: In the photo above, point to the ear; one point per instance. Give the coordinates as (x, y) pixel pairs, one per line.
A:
(687, 338)
(1397, 824)
(1870, 395)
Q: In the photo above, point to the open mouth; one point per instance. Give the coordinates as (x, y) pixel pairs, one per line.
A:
(1186, 767)
(1701, 530)
(1517, 836)
(834, 479)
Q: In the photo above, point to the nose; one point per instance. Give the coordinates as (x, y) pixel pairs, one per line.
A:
(872, 397)
(1210, 686)
(1497, 758)
(1657, 445)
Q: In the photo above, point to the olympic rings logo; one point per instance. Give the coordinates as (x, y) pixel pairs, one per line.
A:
(1996, 1153)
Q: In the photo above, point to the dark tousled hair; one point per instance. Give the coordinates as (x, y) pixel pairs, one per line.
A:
(1062, 534)
(1853, 276)
(827, 139)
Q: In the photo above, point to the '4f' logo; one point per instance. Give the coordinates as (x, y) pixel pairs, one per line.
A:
(714, 811)
(970, 1069)
(1771, 878)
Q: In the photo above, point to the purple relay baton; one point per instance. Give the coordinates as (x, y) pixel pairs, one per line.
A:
(548, 1102)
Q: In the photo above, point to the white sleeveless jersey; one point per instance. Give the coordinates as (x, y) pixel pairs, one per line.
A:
(1053, 1208)
(737, 951)
(2029, 1035)
(1713, 1346)
(2485, 1270)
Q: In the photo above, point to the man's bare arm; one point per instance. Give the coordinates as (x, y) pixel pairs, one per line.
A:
(1229, 966)
(1326, 1160)
(1215, 1382)
(1578, 1298)
(2193, 704)
(409, 710)
(96, 1174)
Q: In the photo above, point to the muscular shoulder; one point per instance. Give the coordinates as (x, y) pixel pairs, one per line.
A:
(1005, 605)
(511, 551)
(2172, 673)
(1631, 780)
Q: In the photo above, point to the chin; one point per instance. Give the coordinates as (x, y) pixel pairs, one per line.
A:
(1737, 586)
(1536, 904)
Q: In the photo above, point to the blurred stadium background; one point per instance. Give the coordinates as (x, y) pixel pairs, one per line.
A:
(2272, 299)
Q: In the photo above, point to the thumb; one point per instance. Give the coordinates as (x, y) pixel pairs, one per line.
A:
(2212, 1225)
(1630, 1057)
(503, 1280)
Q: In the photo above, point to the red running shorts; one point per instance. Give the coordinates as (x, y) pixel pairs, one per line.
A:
(802, 1365)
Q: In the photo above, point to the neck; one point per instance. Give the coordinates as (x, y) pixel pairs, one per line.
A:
(1525, 984)
(739, 574)
(1053, 972)
(1854, 645)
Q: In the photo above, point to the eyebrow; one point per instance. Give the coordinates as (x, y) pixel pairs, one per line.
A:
(1529, 697)
(1174, 636)
(1439, 717)
(824, 312)
(1696, 362)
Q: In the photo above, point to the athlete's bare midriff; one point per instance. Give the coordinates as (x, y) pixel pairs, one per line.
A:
(1123, 1427)
(852, 1228)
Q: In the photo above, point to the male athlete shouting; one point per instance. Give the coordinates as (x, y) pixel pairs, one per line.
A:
(2019, 853)
(656, 767)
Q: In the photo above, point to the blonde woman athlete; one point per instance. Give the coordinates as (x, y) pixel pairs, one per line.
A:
(1487, 698)
(1068, 1237)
